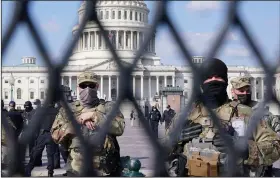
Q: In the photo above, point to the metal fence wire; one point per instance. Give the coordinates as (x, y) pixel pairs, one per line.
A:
(233, 19)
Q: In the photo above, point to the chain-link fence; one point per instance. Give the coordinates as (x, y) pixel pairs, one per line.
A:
(21, 15)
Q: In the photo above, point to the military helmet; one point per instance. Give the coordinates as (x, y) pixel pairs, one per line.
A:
(240, 82)
(134, 165)
(87, 77)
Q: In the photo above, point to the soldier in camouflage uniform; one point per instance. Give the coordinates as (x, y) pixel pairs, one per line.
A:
(241, 92)
(200, 151)
(90, 114)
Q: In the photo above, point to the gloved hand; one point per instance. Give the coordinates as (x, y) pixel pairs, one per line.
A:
(219, 143)
(191, 130)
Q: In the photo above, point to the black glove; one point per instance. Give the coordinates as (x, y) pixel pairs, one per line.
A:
(191, 130)
(220, 144)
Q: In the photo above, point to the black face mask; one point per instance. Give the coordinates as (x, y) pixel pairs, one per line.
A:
(28, 109)
(244, 99)
(215, 93)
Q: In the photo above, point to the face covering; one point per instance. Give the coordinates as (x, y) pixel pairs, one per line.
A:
(215, 93)
(28, 109)
(244, 99)
(88, 97)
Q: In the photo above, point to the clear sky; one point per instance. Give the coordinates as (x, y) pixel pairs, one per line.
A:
(196, 21)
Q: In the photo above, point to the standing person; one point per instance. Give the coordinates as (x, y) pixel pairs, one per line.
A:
(154, 118)
(44, 140)
(15, 117)
(4, 155)
(132, 118)
(90, 114)
(167, 116)
(199, 132)
(27, 116)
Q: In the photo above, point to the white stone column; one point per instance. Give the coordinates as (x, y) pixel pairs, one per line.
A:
(157, 84)
(88, 48)
(173, 81)
(131, 40)
(70, 82)
(150, 88)
(165, 81)
(101, 86)
(142, 86)
(62, 81)
(109, 98)
(137, 43)
(117, 86)
(124, 39)
(255, 89)
(84, 41)
(133, 85)
(117, 40)
(96, 40)
(262, 87)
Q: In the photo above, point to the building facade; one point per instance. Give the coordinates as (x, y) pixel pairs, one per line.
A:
(125, 23)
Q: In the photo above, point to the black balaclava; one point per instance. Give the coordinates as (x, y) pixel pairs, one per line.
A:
(28, 106)
(245, 98)
(214, 92)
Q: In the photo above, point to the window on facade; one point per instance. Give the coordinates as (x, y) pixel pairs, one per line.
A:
(19, 81)
(185, 81)
(186, 95)
(101, 15)
(130, 15)
(6, 95)
(18, 93)
(257, 82)
(125, 15)
(113, 15)
(119, 15)
(136, 16)
(31, 95)
(107, 15)
(31, 81)
(140, 17)
(6, 81)
(42, 81)
(42, 95)
(258, 97)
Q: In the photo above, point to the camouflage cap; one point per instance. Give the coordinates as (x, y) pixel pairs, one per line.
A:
(240, 82)
(87, 77)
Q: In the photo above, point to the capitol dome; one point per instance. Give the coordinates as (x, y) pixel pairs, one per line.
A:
(125, 23)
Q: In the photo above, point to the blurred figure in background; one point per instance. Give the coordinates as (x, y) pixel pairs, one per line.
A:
(15, 117)
(44, 140)
(167, 116)
(132, 118)
(154, 118)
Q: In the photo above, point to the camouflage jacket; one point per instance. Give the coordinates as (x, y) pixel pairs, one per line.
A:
(264, 148)
(274, 122)
(63, 133)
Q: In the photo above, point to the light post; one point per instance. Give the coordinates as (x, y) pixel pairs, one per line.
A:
(12, 83)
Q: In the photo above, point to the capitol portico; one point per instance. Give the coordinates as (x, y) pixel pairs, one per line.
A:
(125, 23)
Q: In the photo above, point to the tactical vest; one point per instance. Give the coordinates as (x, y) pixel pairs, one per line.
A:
(203, 159)
(105, 154)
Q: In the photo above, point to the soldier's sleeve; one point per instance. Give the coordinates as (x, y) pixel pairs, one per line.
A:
(61, 129)
(274, 122)
(264, 149)
(118, 124)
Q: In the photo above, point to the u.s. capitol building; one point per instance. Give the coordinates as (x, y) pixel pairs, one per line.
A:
(125, 23)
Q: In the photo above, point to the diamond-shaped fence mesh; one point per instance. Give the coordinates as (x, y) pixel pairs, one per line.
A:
(21, 15)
